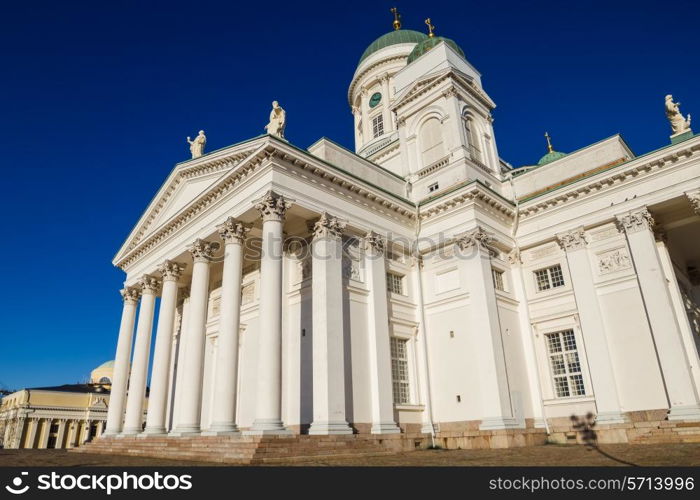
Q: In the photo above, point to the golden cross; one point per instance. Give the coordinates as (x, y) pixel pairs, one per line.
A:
(397, 18)
(431, 28)
(549, 142)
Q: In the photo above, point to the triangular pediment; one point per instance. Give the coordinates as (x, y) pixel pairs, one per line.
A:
(187, 181)
(423, 84)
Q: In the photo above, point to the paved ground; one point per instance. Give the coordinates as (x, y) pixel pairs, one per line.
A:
(650, 455)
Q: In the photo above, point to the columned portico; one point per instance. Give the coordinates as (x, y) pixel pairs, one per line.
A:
(115, 412)
(268, 412)
(133, 422)
(226, 378)
(158, 397)
(592, 327)
(475, 257)
(683, 396)
(328, 341)
(379, 356)
(191, 401)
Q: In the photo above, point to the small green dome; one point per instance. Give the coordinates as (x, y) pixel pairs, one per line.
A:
(393, 38)
(430, 42)
(550, 157)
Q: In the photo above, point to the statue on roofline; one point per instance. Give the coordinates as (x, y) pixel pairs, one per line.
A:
(278, 120)
(679, 124)
(197, 145)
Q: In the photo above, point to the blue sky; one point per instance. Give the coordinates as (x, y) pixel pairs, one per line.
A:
(96, 99)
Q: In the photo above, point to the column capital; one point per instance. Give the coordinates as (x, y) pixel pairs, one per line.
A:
(572, 240)
(477, 238)
(694, 199)
(328, 226)
(130, 295)
(232, 231)
(373, 242)
(273, 206)
(202, 250)
(514, 256)
(170, 270)
(636, 220)
(149, 285)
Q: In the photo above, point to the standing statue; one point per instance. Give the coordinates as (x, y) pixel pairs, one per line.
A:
(277, 121)
(197, 146)
(673, 113)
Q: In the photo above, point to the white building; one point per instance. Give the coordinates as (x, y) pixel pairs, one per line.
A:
(418, 284)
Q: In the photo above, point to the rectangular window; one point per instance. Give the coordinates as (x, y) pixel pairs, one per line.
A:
(497, 279)
(399, 370)
(433, 187)
(394, 283)
(550, 277)
(377, 126)
(566, 367)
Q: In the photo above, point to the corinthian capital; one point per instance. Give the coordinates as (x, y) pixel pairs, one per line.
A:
(573, 240)
(694, 199)
(373, 243)
(130, 295)
(171, 271)
(202, 250)
(328, 227)
(477, 238)
(635, 221)
(149, 285)
(273, 206)
(232, 231)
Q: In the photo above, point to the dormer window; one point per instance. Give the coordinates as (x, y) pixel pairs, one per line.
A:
(377, 126)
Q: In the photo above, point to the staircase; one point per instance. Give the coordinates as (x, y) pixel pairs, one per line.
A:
(250, 449)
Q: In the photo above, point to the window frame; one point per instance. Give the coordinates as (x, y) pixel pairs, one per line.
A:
(501, 278)
(401, 281)
(404, 396)
(536, 273)
(377, 124)
(432, 188)
(567, 374)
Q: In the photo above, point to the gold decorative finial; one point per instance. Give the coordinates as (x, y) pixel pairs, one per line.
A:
(550, 149)
(431, 28)
(397, 18)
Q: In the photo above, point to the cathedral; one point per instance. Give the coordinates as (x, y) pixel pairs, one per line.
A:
(418, 285)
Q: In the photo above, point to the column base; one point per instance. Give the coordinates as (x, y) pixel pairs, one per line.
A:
(153, 431)
(690, 412)
(610, 417)
(325, 428)
(185, 430)
(539, 423)
(109, 433)
(130, 432)
(385, 428)
(267, 427)
(222, 430)
(499, 423)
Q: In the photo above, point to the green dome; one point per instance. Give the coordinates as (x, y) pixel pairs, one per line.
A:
(393, 38)
(428, 43)
(550, 157)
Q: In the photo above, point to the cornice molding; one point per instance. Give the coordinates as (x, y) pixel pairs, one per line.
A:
(357, 78)
(475, 194)
(605, 180)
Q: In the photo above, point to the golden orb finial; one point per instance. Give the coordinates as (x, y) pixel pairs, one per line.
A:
(550, 149)
(431, 28)
(397, 18)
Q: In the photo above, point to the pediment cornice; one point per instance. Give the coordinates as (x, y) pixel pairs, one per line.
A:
(268, 150)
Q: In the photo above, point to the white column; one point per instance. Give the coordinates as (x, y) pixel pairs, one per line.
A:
(422, 351)
(133, 422)
(268, 416)
(45, 433)
(527, 338)
(158, 396)
(85, 434)
(31, 432)
(60, 436)
(100, 428)
(388, 122)
(381, 386)
(673, 358)
(72, 430)
(327, 336)
(592, 327)
(120, 378)
(475, 257)
(179, 367)
(189, 418)
(226, 377)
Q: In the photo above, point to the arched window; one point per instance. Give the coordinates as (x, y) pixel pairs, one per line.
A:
(431, 143)
(104, 380)
(475, 150)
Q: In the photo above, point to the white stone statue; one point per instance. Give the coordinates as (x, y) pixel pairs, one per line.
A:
(277, 121)
(673, 113)
(197, 146)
